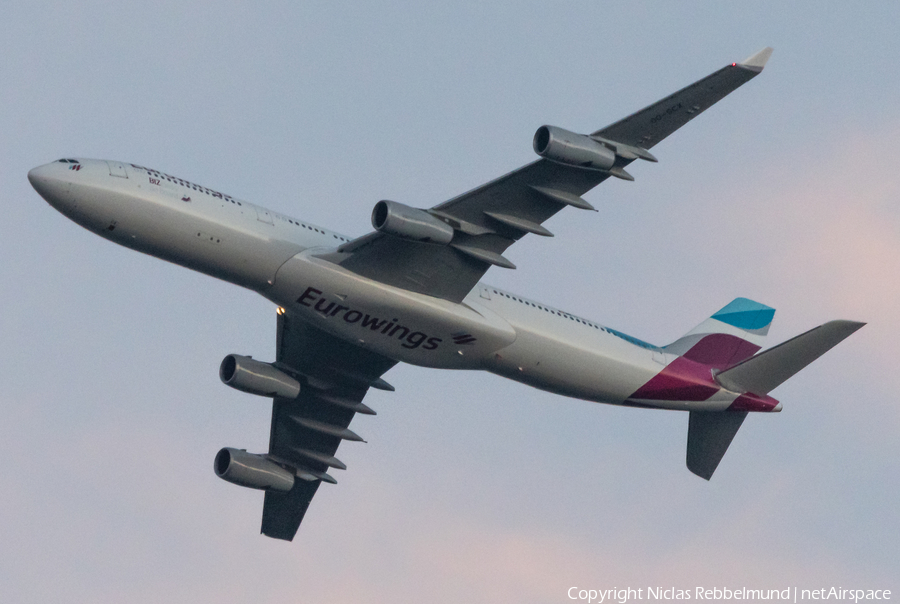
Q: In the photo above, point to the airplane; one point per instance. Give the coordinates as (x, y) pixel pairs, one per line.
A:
(349, 309)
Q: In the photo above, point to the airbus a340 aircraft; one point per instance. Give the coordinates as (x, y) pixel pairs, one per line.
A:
(350, 309)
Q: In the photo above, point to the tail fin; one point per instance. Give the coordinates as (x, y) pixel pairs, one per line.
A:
(728, 337)
(709, 434)
(764, 372)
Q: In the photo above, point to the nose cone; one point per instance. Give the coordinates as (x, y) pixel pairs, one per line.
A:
(39, 177)
(51, 182)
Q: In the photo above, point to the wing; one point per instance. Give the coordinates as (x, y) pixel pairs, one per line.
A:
(490, 218)
(306, 431)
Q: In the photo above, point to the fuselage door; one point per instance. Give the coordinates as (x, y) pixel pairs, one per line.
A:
(117, 168)
(263, 215)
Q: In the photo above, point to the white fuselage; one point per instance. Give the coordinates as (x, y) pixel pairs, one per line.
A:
(278, 257)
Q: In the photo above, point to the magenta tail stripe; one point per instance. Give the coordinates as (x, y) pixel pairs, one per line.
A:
(752, 402)
(681, 380)
(720, 350)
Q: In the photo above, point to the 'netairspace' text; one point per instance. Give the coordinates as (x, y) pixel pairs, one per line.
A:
(791, 594)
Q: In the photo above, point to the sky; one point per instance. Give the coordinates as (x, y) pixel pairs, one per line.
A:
(471, 488)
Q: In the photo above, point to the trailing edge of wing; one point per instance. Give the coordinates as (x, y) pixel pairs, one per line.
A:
(652, 124)
(527, 197)
(307, 431)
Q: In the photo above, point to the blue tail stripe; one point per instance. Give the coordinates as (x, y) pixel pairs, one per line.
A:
(746, 314)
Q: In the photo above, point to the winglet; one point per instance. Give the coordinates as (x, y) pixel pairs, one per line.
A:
(757, 61)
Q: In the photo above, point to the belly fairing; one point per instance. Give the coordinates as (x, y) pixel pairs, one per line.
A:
(402, 325)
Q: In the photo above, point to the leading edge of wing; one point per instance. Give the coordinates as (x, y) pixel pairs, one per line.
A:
(655, 122)
(306, 431)
(526, 198)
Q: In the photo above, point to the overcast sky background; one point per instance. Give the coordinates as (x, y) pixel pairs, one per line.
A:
(471, 488)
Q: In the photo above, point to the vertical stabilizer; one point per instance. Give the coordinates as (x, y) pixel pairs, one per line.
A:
(709, 434)
(728, 337)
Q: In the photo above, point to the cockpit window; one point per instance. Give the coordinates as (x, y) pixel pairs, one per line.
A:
(67, 161)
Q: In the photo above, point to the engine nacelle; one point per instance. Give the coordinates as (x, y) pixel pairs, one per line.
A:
(255, 377)
(410, 223)
(579, 150)
(251, 470)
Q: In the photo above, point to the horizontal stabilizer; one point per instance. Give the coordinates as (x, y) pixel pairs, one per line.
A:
(709, 434)
(764, 372)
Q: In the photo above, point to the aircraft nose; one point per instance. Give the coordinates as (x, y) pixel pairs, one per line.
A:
(40, 175)
(49, 181)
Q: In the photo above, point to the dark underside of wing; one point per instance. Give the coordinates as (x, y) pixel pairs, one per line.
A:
(335, 375)
(489, 219)
(450, 272)
(306, 431)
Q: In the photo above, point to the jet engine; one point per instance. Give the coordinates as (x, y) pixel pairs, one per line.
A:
(251, 470)
(410, 223)
(579, 150)
(255, 377)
